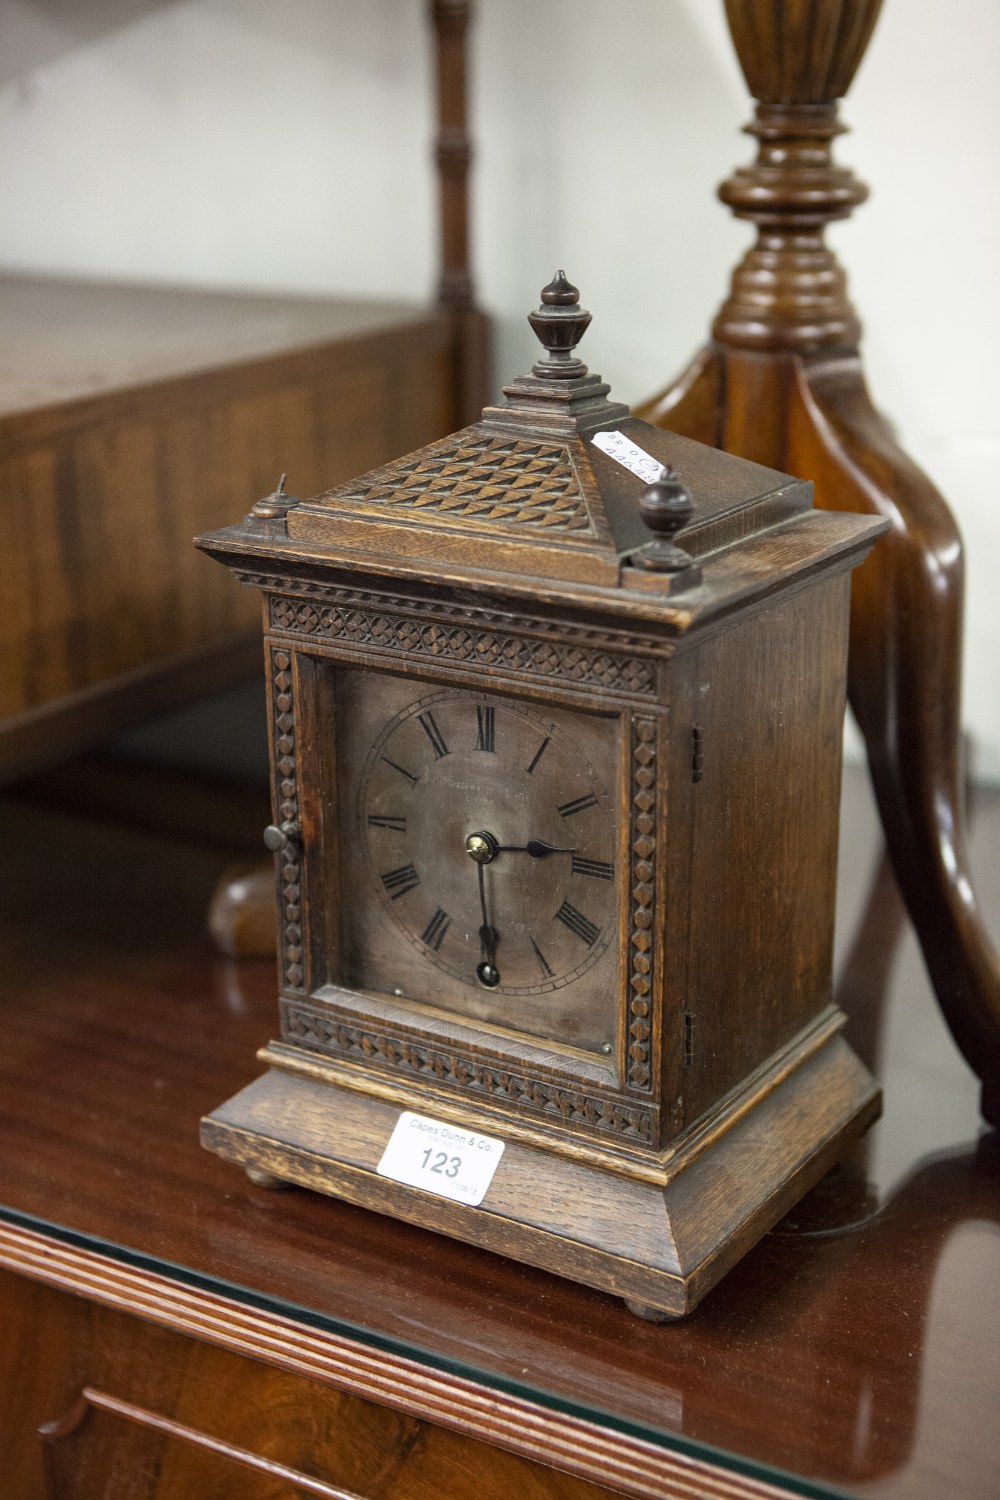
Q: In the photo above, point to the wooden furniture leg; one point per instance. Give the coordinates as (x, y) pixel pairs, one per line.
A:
(782, 383)
(450, 21)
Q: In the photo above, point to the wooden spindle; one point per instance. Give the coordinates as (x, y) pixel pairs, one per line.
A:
(781, 382)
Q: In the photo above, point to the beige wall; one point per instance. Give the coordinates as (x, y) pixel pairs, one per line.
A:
(273, 144)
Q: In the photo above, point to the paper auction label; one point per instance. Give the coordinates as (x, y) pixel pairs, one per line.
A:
(442, 1159)
(629, 455)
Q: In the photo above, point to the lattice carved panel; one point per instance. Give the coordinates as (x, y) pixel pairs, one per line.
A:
(486, 481)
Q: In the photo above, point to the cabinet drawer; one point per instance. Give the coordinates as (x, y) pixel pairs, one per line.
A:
(100, 1405)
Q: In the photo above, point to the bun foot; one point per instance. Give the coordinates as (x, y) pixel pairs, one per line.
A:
(260, 1177)
(649, 1314)
(242, 918)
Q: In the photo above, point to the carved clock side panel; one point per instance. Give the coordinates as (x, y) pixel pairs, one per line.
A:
(283, 733)
(679, 773)
(766, 698)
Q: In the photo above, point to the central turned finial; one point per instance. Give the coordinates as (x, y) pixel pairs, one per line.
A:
(560, 395)
(560, 324)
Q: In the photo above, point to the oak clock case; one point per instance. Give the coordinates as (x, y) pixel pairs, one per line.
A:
(556, 708)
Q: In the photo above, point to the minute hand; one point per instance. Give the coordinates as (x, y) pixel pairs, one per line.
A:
(537, 848)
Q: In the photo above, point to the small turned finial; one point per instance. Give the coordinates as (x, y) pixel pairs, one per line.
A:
(560, 324)
(276, 504)
(666, 506)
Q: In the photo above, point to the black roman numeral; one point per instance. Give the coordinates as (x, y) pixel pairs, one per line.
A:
(540, 752)
(429, 725)
(398, 882)
(401, 769)
(578, 923)
(579, 804)
(395, 825)
(598, 868)
(433, 933)
(486, 737)
(547, 970)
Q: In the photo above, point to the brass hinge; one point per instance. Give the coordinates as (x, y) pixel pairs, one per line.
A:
(688, 1038)
(696, 749)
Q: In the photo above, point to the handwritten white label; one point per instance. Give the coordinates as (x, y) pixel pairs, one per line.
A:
(442, 1159)
(629, 455)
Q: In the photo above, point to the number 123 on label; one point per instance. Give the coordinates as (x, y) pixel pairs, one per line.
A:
(441, 1158)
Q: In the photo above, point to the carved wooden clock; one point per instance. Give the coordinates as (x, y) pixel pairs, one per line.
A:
(556, 709)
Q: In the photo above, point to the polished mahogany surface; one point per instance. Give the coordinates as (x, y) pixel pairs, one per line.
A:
(855, 1348)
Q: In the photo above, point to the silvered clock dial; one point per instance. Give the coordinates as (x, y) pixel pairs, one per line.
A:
(481, 855)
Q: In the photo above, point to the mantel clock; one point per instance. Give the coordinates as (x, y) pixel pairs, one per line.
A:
(556, 712)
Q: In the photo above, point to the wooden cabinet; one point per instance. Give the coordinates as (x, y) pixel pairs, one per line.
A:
(145, 1411)
(133, 416)
(130, 417)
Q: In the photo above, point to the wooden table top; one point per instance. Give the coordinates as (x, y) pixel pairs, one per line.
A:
(66, 339)
(855, 1348)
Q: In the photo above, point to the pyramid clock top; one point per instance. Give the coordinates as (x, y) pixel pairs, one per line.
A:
(556, 707)
(548, 486)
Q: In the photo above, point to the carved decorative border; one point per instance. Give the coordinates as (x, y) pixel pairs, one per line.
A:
(349, 615)
(603, 639)
(643, 846)
(388, 631)
(286, 801)
(312, 1027)
(356, 596)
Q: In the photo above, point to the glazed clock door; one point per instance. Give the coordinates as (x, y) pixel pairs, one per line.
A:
(480, 856)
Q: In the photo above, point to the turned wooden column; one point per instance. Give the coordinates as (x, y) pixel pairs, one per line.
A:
(450, 20)
(781, 382)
